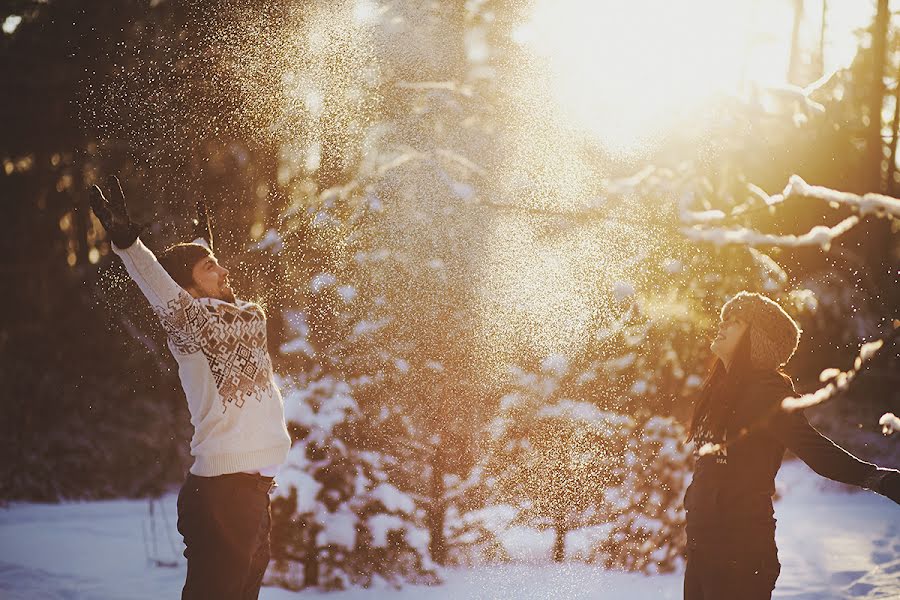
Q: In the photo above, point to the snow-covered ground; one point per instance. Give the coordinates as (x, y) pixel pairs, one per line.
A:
(833, 545)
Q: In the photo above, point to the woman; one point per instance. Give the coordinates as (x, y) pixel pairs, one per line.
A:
(740, 436)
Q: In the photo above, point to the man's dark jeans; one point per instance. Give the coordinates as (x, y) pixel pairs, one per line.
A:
(225, 522)
(715, 573)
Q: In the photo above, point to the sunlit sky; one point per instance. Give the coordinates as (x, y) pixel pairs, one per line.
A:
(626, 74)
(626, 71)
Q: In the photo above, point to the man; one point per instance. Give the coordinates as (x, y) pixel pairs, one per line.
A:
(240, 437)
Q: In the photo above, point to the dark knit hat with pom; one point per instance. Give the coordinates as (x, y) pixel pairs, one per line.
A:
(774, 335)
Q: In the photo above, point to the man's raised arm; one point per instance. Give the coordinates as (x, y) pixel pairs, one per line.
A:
(169, 300)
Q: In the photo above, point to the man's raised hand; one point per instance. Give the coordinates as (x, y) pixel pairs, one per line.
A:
(202, 228)
(113, 215)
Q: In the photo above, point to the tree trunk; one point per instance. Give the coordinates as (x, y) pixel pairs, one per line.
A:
(437, 508)
(820, 55)
(891, 184)
(795, 64)
(559, 542)
(82, 222)
(311, 564)
(875, 145)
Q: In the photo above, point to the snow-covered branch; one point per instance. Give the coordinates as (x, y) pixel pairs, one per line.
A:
(889, 423)
(819, 235)
(837, 380)
(867, 204)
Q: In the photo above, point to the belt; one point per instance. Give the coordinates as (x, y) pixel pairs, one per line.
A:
(260, 482)
(263, 483)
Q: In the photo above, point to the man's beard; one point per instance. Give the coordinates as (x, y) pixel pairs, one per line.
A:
(227, 295)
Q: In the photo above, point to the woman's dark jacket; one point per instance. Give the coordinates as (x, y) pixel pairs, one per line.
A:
(730, 498)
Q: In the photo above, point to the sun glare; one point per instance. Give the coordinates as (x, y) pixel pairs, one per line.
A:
(629, 72)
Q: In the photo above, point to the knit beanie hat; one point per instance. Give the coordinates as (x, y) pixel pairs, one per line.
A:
(774, 335)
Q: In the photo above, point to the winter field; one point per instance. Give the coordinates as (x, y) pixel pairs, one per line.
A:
(833, 544)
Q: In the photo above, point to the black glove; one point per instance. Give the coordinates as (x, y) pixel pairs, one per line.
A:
(202, 228)
(113, 215)
(890, 485)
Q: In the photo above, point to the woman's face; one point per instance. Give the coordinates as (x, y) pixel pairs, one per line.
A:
(730, 332)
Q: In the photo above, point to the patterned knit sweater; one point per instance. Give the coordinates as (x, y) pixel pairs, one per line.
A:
(225, 370)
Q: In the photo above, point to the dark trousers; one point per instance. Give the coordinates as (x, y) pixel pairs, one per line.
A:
(715, 573)
(225, 522)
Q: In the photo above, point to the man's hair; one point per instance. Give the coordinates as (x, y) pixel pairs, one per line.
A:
(179, 261)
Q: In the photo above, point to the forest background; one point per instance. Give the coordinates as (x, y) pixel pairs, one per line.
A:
(485, 310)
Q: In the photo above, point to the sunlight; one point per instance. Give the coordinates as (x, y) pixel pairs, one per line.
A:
(624, 71)
(629, 72)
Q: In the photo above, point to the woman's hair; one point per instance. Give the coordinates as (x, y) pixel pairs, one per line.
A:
(720, 387)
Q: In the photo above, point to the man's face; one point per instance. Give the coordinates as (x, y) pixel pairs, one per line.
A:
(211, 280)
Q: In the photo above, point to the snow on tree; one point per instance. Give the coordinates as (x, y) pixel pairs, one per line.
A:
(647, 532)
(889, 423)
(553, 457)
(337, 519)
(383, 245)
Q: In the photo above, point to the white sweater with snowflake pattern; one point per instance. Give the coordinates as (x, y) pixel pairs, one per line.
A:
(225, 370)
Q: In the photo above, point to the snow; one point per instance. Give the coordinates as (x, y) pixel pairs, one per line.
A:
(393, 499)
(673, 266)
(869, 349)
(367, 327)
(292, 475)
(298, 324)
(639, 387)
(510, 400)
(339, 528)
(583, 411)
(839, 380)
(876, 204)
(557, 364)
(463, 191)
(833, 544)
(820, 235)
(297, 346)
(270, 241)
(889, 423)
(693, 381)
(332, 396)
(622, 290)
(381, 526)
(321, 281)
(347, 293)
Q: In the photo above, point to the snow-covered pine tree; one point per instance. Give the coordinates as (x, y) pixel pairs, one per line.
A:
(339, 520)
(390, 243)
(647, 517)
(552, 456)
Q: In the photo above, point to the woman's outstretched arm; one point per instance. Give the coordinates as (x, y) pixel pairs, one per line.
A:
(830, 460)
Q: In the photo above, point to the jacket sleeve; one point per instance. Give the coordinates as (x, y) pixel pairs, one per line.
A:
(182, 316)
(821, 454)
